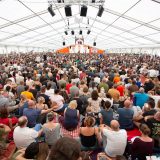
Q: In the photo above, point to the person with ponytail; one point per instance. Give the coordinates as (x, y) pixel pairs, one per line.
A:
(143, 145)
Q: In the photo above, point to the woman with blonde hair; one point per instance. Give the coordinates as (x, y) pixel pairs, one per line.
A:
(40, 105)
(71, 116)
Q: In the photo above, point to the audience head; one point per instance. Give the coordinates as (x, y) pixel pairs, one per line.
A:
(127, 103)
(26, 88)
(151, 104)
(85, 89)
(73, 104)
(144, 129)
(65, 149)
(31, 104)
(49, 86)
(22, 121)
(141, 90)
(4, 113)
(89, 121)
(157, 116)
(50, 116)
(56, 91)
(114, 125)
(107, 105)
(37, 150)
(43, 89)
(94, 95)
(41, 99)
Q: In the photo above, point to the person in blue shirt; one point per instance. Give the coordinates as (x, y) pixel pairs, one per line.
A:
(32, 113)
(140, 98)
(126, 116)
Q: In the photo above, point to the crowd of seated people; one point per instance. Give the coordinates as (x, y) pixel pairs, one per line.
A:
(80, 106)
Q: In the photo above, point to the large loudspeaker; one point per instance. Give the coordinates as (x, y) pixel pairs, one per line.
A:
(100, 12)
(94, 44)
(64, 43)
(68, 11)
(83, 11)
(45, 57)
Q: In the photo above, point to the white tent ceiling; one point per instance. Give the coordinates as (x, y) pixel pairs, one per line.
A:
(124, 23)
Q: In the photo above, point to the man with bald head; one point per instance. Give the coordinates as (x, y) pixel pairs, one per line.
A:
(32, 113)
(126, 116)
(24, 136)
(114, 139)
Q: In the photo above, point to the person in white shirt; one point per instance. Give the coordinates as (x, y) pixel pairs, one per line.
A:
(24, 136)
(59, 100)
(114, 139)
(49, 91)
(29, 81)
(97, 80)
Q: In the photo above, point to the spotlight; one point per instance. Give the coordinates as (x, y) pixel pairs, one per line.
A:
(100, 12)
(94, 44)
(88, 32)
(66, 32)
(72, 32)
(64, 43)
(68, 11)
(51, 11)
(80, 32)
(83, 11)
(93, 1)
(59, 1)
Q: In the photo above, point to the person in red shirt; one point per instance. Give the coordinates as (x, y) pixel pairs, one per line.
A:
(68, 86)
(121, 89)
(10, 122)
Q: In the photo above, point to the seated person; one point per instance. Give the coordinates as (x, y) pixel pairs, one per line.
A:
(22, 104)
(59, 100)
(66, 149)
(154, 123)
(4, 130)
(10, 122)
(89, 134)
(106, 114)
(126, 116)
(71, 116)
(139, 149)
(150, 111)
(34, 151)
(51, 130)
(32, 113)
(24, 136)
(114, 139)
